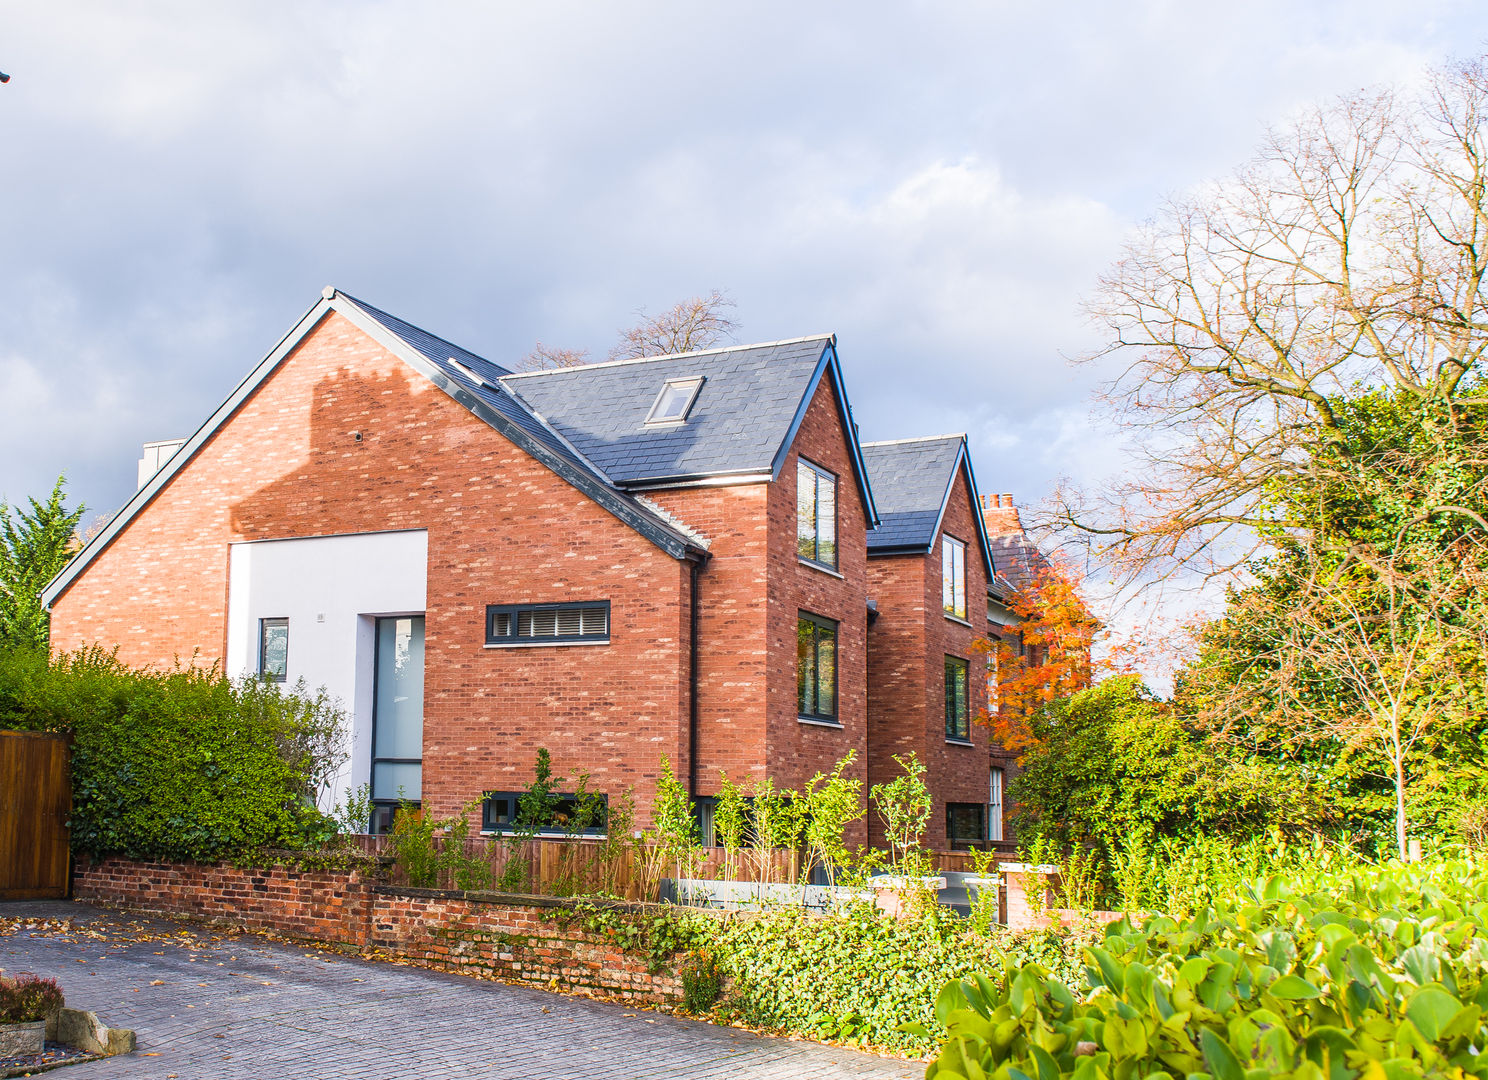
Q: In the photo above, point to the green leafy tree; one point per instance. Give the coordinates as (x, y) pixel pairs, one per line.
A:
(35, 545)
(1113, 762)
(673, 821)
(903, 805)
(829, 804)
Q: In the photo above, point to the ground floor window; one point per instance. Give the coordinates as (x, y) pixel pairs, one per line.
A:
(966, 824)
(559, 815)
(397, 717)
(994, 808)
(273, 649)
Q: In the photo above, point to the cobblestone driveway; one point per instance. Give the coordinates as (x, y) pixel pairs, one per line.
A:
(212, 1006)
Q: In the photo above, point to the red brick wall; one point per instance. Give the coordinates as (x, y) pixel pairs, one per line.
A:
(537, 942)
(502, 527)
(322, 905)
(731, 627)
(752, 591)
(798, 750)
(910, 640)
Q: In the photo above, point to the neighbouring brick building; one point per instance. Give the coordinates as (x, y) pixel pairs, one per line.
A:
(680, 556)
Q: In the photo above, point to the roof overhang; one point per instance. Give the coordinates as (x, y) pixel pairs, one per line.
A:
(671, 540)
(828, 366)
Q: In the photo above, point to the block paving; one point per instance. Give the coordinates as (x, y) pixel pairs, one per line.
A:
(220, 1006)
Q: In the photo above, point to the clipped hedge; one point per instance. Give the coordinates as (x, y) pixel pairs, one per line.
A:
(860, 976)
(178, 764)
(1369, 972)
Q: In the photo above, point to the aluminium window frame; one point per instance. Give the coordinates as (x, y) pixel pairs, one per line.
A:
(488, 828)
(263, 627)
(966, 842)
(953, 734)
(696, 383)
(956, 549)
(512, 641)
(819, 473)
(820, 622)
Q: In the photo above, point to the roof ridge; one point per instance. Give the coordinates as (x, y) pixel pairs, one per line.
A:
(331, 293)
(675, 356)
(917, 438)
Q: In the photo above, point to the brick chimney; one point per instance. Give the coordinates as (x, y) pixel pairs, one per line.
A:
(1000, 515)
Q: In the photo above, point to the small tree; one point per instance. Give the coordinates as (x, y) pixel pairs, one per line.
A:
(904, 807)
(34, 547)
(828, 805)
(774, 824)
(673, 821)
(729, 819)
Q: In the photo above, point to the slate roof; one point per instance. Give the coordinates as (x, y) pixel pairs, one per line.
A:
(1018, 559)
(910, 478)
(742, 417)
(912, 482)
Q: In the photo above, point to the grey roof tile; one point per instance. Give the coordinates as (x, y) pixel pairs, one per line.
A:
(910, 479)
(737, 424)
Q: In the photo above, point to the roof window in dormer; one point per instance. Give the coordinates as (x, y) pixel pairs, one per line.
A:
(674, 401)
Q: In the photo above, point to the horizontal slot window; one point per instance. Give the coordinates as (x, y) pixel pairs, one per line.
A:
(535, 624)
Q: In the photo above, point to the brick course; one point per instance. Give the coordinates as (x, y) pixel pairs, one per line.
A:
(515, 939)
(909, 642)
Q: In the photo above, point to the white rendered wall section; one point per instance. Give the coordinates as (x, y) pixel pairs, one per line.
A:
(331, 589)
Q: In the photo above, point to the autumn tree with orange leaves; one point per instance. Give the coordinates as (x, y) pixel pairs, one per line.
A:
(1047, 657)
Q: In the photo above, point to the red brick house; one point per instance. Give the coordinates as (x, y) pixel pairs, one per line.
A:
(677, 555)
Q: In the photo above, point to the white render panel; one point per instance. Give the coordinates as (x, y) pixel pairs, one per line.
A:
(331, 589)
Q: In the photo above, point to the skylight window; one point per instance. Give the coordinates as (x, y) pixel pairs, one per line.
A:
(674, 401)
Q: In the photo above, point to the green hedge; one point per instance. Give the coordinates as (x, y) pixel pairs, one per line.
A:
(177, 764)
(1369, 972)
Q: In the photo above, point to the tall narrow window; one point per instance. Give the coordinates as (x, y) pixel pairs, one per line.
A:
(816, 668)
(398, 713)
(957, 712)
(953, 576)
(273, 649)
(816, 514)
(994, 807)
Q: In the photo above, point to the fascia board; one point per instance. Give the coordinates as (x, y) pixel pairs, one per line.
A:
(828, 364)
(673, 543)
(963, 460)
(143, 497)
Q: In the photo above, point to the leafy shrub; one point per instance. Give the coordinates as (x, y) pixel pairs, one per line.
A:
(1333, 973)
(178, 764)
(27, 999)
(702, 981)
(858, 976)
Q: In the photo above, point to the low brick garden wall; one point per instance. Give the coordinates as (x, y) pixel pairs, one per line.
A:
(495, 935)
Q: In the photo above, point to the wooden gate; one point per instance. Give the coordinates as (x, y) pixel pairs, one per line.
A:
(35, 801)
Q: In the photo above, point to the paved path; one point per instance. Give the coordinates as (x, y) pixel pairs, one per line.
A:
(217, 1006)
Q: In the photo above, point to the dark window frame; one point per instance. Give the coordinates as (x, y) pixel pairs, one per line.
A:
(958, 725)
(963, 842)
(512, 640)
(384, 810)
(490, 827)
(950, 545)
(816, 715)
(263, 628)
(818, 474)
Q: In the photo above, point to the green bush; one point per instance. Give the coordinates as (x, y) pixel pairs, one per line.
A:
(702, 981)
(178, 764)
(1359, 972)
(859, 976)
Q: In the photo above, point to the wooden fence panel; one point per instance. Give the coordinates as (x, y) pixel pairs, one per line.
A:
(556, 866)
(35, 802)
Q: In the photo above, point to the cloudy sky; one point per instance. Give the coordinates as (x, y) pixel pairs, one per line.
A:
(937, 183)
